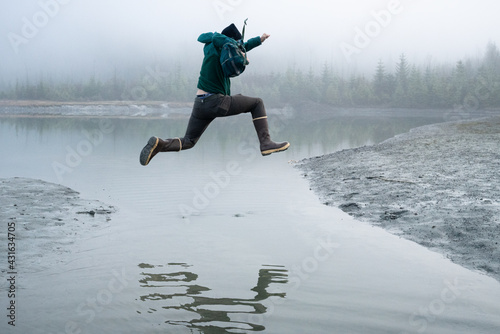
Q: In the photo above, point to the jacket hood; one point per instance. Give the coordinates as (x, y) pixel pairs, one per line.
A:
(214, 37)
(206, 37)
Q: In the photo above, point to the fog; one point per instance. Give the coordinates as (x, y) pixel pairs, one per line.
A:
(79, 38)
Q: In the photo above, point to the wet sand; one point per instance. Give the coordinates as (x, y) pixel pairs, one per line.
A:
(437, 185)
(46, 218)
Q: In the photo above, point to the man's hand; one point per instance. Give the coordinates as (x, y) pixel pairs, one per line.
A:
(264, 37)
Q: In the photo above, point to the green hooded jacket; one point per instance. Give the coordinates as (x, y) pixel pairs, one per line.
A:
(212, 79)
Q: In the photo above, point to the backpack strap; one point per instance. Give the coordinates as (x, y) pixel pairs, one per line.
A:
(243, 39)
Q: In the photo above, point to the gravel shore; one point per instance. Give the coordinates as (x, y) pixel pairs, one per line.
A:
(437, 185)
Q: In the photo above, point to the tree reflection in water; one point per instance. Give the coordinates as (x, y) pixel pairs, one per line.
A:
(176, 291)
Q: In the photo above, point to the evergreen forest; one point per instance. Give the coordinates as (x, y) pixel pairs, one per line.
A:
(469, 84)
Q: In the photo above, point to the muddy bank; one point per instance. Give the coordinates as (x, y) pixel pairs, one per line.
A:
(45, 219)
(437, 185)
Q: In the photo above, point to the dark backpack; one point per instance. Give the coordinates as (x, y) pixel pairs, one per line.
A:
(233, 56)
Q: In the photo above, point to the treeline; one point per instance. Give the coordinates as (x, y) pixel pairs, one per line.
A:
(151, 84)
(470, 84)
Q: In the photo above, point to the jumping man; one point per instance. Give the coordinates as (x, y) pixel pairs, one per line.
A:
(214, 99)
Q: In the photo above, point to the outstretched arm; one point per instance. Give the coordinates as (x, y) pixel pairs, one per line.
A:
(219, 40)
(256, 41)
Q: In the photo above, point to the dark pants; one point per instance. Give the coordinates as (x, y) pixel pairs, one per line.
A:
(218, 105)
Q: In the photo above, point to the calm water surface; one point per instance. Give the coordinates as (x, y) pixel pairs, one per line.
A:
(218, 239)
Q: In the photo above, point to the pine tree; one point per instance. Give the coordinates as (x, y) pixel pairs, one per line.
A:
(379, 79)
(92, 89)
(459, 83)
(415, 88)
(312, 88)
(429, 94)
(362, 94)
(326, 82)
(491, 59)
(382, 84)
(487, 83)
(402, 82)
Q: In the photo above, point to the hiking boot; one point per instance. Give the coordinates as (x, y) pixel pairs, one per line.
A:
(156, 145)
(273, 147)
(267, 146)
(153, 146)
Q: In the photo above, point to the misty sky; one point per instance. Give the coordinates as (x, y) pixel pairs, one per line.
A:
(66, 38)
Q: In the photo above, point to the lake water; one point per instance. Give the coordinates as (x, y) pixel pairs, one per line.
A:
(218, 239)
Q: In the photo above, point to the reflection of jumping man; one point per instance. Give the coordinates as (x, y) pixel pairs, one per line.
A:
(204, 313)
(214, 100)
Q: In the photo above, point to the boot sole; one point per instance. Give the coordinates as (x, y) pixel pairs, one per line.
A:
(146, 152)
(281, 149)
